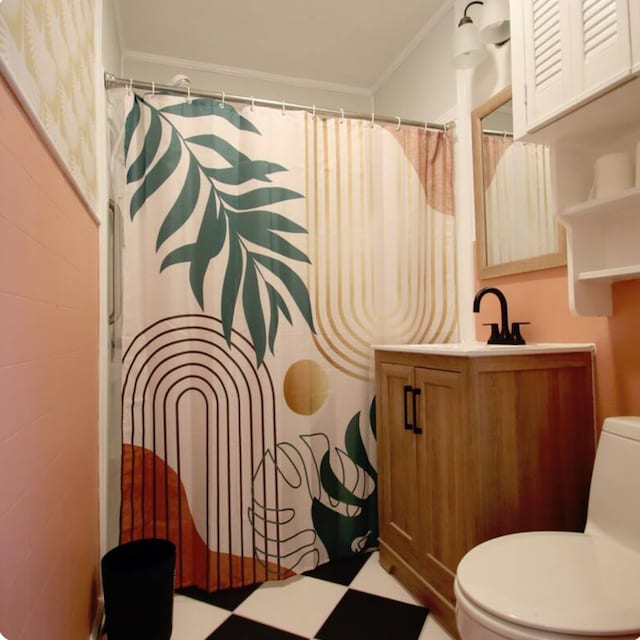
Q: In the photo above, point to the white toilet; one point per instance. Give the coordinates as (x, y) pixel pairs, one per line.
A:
(565, 586)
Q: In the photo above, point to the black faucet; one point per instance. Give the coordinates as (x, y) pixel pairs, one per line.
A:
(502, 335)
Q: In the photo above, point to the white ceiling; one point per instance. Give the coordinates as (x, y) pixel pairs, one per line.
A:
(341, 42)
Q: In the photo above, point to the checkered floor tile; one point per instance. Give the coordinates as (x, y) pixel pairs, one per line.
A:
(344, 600)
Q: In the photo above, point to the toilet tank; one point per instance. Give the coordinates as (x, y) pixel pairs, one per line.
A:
(615, 483)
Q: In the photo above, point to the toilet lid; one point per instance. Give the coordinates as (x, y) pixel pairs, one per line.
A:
(569, 583)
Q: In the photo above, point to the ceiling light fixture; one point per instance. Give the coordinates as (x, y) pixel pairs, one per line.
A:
(494, 24)
(469, 43)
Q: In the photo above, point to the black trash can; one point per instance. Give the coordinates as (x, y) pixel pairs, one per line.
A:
(137, 579)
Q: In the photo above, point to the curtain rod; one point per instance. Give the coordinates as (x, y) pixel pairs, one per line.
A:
(497, 133)
(112, 82)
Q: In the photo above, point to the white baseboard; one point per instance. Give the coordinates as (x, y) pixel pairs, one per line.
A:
(97, 621)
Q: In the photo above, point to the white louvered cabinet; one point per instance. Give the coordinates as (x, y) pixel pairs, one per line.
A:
(576, 87)
(634, 28)
(571, 51)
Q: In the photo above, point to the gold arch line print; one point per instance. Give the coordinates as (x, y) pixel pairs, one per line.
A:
(332, 323)
(350, 305)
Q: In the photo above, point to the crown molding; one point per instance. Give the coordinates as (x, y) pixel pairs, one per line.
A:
(185, 64)
(419, 37)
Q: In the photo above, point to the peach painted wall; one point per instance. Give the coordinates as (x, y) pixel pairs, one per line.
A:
(542, 298)
(49, 536)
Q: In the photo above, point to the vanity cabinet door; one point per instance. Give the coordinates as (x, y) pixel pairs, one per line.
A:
(399, 507)
(442, 455)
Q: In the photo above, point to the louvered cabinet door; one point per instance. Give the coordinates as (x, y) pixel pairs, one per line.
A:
(601, 44)
(634, 29)
(546, 31)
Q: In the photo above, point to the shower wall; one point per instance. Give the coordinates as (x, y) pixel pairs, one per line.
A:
(49, 534)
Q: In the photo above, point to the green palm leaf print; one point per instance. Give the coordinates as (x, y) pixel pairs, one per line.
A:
(258, 274)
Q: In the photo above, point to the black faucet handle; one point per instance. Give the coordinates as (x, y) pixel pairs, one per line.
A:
(516, 336)
(494, 338)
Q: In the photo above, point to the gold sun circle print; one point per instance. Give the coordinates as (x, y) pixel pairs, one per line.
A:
(305, 387)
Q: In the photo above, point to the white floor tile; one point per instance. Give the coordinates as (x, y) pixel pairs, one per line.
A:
(299, 605)
(374, 579)
(433, 631)
(194, 620)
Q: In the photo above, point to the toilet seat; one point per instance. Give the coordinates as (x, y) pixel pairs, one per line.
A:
(555, 582)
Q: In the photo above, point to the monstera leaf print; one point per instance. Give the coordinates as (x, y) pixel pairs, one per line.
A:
(341, 485)
(346, 533)
(258, 275)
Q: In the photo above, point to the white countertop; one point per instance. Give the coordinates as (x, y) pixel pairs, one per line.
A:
(483, 349)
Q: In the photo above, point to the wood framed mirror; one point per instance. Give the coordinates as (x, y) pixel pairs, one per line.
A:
(516, 229)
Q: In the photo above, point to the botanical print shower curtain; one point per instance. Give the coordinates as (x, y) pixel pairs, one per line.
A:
(264, 252)
(517, 190)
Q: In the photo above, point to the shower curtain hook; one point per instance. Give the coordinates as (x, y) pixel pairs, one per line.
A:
(446, 129)
(188, 95)
(221, 105)
(341, 116)
(253, 103)
(426, 126)
(504, 136)
(313, 112)
(130, 87)
(399, 123)
(284, 111)
(153, 88)
(373, 119)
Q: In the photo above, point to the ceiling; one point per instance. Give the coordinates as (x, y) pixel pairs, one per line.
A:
(340, 42)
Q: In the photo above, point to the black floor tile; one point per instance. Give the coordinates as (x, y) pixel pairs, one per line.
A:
(228, 599)
(361, 615)
(239, 628)
(341, 571)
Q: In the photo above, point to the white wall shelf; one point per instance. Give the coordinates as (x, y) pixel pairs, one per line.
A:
(603, 241)
(605, 207)
(611, 275)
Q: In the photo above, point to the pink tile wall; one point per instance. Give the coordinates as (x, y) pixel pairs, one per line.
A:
(49, 537)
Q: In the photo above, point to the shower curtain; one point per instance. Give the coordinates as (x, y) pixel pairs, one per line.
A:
(265, 251)
(517, 187)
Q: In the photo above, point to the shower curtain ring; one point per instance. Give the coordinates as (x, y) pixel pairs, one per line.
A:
(253, 103)
(153, 88)
(284, 110)
(373, 119)
(313, 112)
(130, 87)
(399, 123)
(446, 128)
(188, 95)
(341, 116)
(221, 105)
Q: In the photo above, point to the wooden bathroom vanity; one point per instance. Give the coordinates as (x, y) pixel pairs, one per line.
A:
(474, 442)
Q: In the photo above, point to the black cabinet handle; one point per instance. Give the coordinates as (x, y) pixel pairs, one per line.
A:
(416, 428)
(407, 390)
